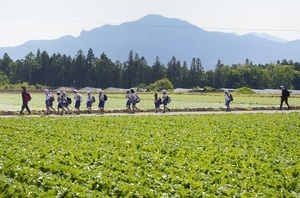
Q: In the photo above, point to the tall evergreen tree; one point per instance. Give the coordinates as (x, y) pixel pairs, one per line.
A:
(184, 76)
(158, 71)
(196, 73)
(174, 71)
(90, 78)
(79, 69)
(127, 72)
(5, 64)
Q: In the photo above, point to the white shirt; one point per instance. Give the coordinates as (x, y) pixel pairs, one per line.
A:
(128, 96)
(101, 97)
(164, 96)
(48, 95)
(133, 96)
(77, 97)
(227, 96)
(90, 98)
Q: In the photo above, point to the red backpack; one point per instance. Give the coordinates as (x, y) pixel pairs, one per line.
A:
(27, 96)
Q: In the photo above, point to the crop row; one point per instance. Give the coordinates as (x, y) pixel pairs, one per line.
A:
(151, 156)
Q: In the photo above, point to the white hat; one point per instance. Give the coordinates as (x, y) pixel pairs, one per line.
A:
(46, 90)
(58, 92)
(163, 91)
(88, 92)
(100, 91)
(75, 91)
(64, 92)
(226, 91)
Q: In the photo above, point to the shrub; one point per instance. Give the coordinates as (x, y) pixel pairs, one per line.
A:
(244, 90)
(161, 84)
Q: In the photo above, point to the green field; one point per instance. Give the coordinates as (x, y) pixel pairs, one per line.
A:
(226, 155)
(13, 101)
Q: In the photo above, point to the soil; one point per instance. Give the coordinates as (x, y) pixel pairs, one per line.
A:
(173, 111)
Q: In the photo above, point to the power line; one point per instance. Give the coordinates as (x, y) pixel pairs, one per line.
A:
(252, 29)
(55, 20)
(162, 26)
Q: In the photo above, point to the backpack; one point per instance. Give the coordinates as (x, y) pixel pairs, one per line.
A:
(231, 97)
(169, 99)
(105, 97)
(52, 98)
(81, 98)
(93, 99)
(69, 100)
(288, 93)
(137, 99)
(159, 101)
(27, 97)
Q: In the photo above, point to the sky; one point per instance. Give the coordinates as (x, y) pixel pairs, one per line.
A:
(24, 20)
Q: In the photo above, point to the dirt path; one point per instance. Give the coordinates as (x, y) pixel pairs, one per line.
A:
(161, 114)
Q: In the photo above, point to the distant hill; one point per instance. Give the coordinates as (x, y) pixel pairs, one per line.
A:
(155, 35)
(269, 37)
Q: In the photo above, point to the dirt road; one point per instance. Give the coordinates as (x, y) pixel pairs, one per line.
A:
(160, 113)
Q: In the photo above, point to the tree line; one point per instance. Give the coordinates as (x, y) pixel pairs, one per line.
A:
(89, 70)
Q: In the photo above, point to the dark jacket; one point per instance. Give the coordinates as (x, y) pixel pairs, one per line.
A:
(284, 93)
(24, 99)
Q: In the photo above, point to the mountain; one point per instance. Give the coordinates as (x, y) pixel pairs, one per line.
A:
(269, 37)
(155, 35)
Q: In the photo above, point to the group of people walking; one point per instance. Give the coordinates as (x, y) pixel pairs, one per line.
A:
(285, 94)
(63, 101)
(132, 99)
(164, 100)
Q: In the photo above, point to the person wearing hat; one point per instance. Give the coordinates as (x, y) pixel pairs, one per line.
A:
(25, 100)
(60, 104)
(101, 100)
(227, 100)
(89, 101)
(65, 102)
(78, 99)
(49, 102)
(284, 97)
(165, 100)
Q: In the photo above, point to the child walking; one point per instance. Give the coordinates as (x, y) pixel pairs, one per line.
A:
(157, 102)
(165, 100)
(65, 102)
(134, 100)
(78, 99)
(60, 104)
(101, 101)
(49, 102)
(89, 102)
(128, 102)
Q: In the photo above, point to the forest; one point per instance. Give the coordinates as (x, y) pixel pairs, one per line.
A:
(89, 70)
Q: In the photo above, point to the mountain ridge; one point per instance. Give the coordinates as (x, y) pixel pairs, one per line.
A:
(155, 35)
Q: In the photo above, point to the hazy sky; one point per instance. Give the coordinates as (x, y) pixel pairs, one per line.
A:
(24, 20)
